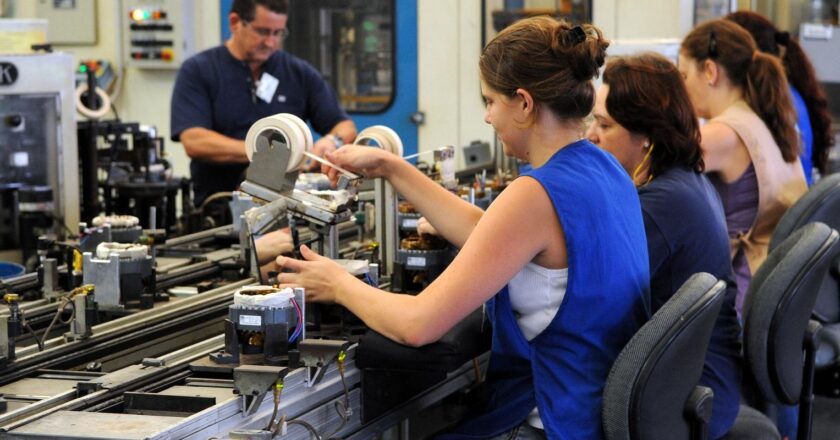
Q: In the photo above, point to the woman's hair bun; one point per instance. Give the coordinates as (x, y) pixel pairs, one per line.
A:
(582, 48)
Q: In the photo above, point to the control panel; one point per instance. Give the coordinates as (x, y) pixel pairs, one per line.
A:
(157, 34)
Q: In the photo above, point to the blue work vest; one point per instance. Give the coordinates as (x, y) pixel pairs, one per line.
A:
(563, 370)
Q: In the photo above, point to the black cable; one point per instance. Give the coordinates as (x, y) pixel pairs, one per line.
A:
(32, 333)
(114, 109)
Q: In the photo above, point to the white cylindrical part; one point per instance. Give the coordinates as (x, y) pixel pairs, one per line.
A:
(291, 128)
(384, 137)
(263, 296)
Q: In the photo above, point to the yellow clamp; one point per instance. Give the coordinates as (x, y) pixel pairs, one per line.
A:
(77, 260)
(11, 298)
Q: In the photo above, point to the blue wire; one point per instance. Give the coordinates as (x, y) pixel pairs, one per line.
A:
(299, 328)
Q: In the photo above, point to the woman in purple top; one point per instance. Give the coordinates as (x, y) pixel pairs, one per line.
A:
(813, 117)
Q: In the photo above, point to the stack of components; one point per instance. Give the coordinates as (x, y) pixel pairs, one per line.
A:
(122, 273)
(263, 325)
(110, 228)
(420, 258)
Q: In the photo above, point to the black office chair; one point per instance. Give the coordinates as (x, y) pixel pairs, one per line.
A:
(778, 330)
(820, 204)
(651, 392)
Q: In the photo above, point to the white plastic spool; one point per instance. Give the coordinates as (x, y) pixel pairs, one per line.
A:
(291, 127)
(384, 137)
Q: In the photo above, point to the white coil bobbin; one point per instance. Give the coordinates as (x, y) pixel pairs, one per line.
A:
(105, 250)
(381, 136)
(116, 221)
(289, 128)
(89, 112)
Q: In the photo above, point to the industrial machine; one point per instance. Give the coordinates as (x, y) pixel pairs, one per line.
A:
(176, 340)
(39, 187)
(136, 179)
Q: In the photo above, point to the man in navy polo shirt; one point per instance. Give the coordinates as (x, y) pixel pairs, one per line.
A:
(221, 92)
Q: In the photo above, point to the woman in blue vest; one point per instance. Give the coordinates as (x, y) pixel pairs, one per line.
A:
(644, 117)
(559, 258)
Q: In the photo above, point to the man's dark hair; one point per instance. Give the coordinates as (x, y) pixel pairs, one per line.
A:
(246, 9)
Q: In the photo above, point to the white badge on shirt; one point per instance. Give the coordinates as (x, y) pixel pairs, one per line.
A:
(266, 87)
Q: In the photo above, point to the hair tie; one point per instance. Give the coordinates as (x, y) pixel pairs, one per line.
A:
(578, 35)
(782, 38)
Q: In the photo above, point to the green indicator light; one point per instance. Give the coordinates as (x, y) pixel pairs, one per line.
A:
(368, 25)
(83, 68)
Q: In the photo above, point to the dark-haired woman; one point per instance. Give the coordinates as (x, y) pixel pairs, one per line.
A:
(643, 117)
(750, 145)
(813, 117)
(566, 298)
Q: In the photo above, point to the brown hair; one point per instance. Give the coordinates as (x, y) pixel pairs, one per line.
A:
(549, 58)
(800, 73)
(647, 96)
(759, 75)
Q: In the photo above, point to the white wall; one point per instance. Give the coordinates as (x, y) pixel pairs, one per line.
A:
(643, 19)
(449, 36)
(450, 44)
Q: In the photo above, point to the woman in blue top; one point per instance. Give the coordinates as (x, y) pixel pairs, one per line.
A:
(813, 116)
(644, 117)
(559, 258)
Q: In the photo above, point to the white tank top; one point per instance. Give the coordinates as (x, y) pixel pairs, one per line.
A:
(536, 293)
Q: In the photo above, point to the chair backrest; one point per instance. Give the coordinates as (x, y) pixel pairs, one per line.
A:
(656, 372)
(778, 307)
(820, 204)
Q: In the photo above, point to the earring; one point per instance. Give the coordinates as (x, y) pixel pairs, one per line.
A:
(646, 145)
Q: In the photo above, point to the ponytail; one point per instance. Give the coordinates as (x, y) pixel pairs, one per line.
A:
(768, 95)
(801, 75)
(760, 77)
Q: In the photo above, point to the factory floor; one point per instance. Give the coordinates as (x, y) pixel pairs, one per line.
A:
(826, 419)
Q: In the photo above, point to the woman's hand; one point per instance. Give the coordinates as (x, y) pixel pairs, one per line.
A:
(426, 228)
(322, 278)
(368, 161)
(272, 244)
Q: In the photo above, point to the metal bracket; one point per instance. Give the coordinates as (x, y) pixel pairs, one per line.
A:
(252, 382)
(317, 354)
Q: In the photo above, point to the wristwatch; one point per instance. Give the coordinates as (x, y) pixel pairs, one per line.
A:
(337, 140)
